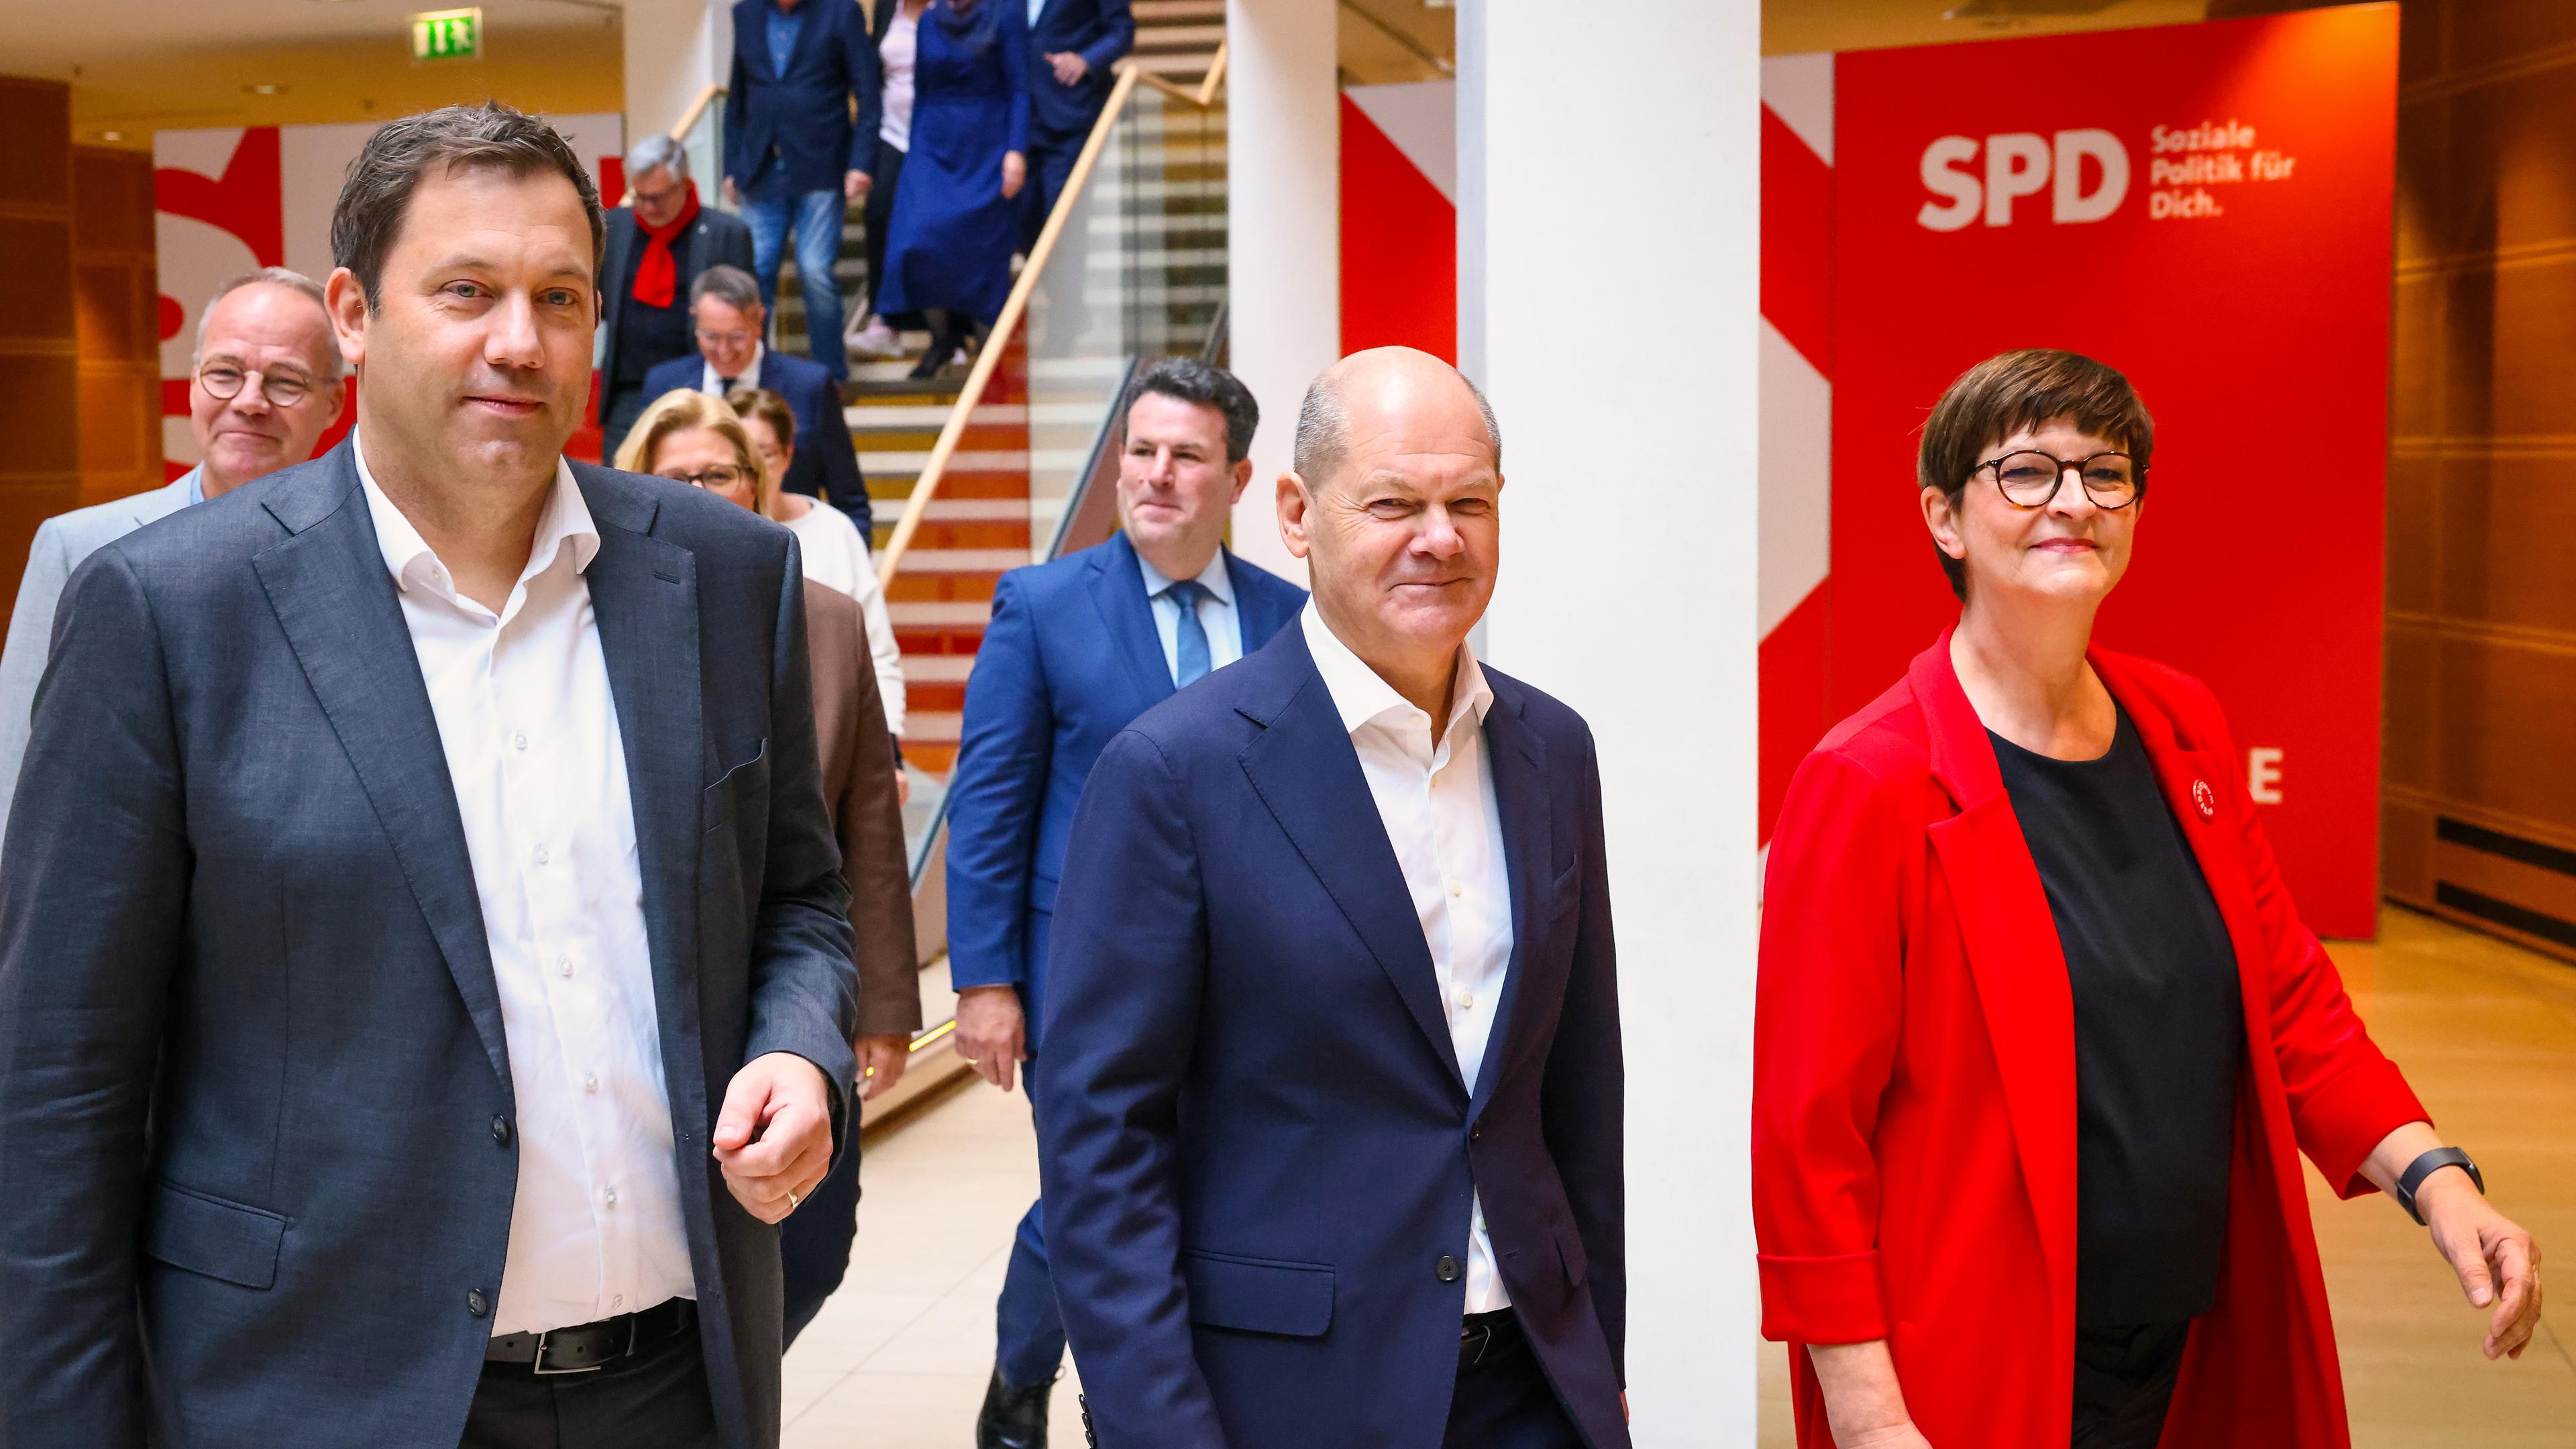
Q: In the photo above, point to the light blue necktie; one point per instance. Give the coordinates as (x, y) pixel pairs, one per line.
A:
(1192, 654)
(1034, 7)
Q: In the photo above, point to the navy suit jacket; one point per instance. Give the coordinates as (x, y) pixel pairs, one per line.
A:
(827, 462)
(253, 1075)
(1071, 656)
(1256, 1147)
(1101, 32)
(715, 237)
(804, 112)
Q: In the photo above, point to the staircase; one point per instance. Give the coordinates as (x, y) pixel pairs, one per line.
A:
(980, 524)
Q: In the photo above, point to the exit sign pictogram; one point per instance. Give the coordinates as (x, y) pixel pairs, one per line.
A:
(447, 35)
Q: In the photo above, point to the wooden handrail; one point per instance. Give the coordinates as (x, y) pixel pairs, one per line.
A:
(689, 118)
(996, 342)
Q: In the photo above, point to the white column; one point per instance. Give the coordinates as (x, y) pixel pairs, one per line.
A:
(1609, 176)
(674, 48)
(1283, 163)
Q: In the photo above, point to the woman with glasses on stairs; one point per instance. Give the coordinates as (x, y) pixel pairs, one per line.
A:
(2039, 1035)
(949, 241)
(690, 437)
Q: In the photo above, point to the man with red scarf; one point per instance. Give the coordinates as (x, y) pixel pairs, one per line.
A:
(658, 242)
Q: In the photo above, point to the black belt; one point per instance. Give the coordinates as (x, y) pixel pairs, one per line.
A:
(589, 1347)
(1478, 1332)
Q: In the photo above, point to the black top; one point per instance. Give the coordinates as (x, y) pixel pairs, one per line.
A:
(2158, 1029)
(650, 336)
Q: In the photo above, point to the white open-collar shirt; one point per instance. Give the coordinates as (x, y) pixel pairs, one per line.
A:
(533, 748)
(1437, 804)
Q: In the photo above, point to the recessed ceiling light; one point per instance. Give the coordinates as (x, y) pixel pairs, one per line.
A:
(264, 88)
(111, 135)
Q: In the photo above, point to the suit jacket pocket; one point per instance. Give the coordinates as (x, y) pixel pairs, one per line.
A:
(1566, 889)
(1569, 1251)
(1258, 1295)
(208, 1235)
(723, 799)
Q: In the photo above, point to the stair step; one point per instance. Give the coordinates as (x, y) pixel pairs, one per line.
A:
(1153, 14)
(1173, 37)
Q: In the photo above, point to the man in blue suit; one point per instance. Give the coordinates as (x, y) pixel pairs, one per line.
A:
(425, 962)
(1329, 1131)
(795, 157)
(1076, 649)
(1072, 46)
(725, 310)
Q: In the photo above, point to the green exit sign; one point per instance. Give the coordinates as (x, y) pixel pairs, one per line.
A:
(447, 35)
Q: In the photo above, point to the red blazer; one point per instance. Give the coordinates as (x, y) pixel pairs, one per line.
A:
(1914, 1085)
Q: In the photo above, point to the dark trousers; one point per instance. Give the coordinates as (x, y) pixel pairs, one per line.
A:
(1028, 1330)
(658, 1397)
(1502, 1399)
(2124, 1381)
(1051, 161)
(814, 1242)
(879, 212)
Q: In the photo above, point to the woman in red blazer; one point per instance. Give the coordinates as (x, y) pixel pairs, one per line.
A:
(2040, 1036)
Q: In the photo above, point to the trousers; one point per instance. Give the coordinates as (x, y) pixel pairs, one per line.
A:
(1502, 1399)
(659, 1397)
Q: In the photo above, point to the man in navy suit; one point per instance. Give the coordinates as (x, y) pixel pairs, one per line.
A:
(425, 962)
(1072, 46)
(1330, 1124)
(725, 310)
(1076, 649)
(794, 156)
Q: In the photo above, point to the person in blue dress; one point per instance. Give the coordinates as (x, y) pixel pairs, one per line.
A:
(948, 247)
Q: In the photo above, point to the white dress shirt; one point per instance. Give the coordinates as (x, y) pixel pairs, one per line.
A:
(895, 56)
(1437, 804)
(837, 558)
(1217, 615)
(711, 381)
(533, 748)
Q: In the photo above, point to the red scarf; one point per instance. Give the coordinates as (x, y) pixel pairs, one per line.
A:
(657, 276)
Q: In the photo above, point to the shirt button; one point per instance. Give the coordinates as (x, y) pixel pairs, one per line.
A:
(1456, 889)
(611, 1196)
(475, 1305)
(518, 742)
(590, 1083)
(1465, 998)
(1447, 1269)
(542, 855)
(617, 1302)
(563, 966)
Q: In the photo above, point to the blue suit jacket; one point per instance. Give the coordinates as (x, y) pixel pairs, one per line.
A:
(827, 462)
(1254, 1139)
(253, 1075)
(1101, 31)
(804, 112)
(1070, 657)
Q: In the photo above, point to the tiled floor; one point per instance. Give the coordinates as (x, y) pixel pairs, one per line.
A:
(2487, 1033)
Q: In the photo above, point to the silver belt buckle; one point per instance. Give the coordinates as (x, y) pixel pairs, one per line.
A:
(539, 1366)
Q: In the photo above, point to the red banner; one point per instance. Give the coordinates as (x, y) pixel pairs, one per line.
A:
(2207, 208)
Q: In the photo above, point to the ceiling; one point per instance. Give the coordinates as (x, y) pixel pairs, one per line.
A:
(51, 40)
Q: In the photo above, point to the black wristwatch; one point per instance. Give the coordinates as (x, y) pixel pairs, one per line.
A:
(2424, 1167)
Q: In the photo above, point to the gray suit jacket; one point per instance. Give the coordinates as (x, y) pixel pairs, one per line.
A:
(61, 543)
(253, 1077)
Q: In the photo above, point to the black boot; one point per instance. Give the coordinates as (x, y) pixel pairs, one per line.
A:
(1013, 1418)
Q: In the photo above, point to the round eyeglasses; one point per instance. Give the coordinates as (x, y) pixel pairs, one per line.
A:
(223, 381)
(2030, 479)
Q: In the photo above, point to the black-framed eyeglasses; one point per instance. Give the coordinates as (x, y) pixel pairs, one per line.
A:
(720, 476)
(2030, 479)
(224, 381)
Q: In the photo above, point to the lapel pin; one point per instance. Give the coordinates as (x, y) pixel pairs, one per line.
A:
(2205, 798)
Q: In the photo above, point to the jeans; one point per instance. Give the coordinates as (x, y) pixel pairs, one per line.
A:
(815, 220)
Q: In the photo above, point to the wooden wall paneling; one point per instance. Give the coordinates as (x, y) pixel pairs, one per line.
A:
(119, 323)
(39, 349)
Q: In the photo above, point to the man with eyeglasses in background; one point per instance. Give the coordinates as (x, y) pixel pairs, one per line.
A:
(267, 382)
(727, 318)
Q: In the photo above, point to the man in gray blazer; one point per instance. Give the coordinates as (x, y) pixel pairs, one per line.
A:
(425, 969)
(265, 385)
